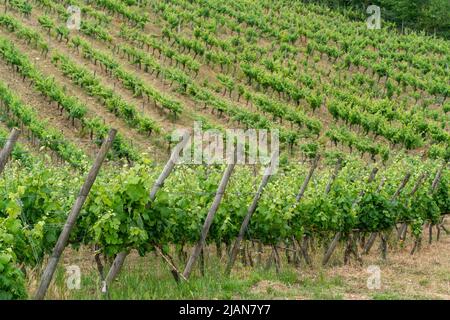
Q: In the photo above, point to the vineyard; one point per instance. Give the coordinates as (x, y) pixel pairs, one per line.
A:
(87, 159)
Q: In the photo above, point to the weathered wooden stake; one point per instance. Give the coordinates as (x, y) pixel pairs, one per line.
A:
(402, 186)
(120, 258)
(300, 196)
(308, 178)
(381, 185)
(270, 259)
(331, 248)
(209, 219)
(8, 147)
(337, 237)
(383, 245)
(438, 176)
(370, 242)
(259, 253)
(402, 231)
(438, 231)
(296, 252)
(373, 235)
(277, 259)
(333, 176)
(71, 219)
(430, 233)
(304, 250)
(202, 261)
(249, 255)
(434, 185)
(268, 172)
(114, 269)
(170, 262)
(168, 168)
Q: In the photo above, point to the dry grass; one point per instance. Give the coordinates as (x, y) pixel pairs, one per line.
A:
(424, 275)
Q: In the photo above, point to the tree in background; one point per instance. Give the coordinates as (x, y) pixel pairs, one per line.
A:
(436, 16)
(432, 16)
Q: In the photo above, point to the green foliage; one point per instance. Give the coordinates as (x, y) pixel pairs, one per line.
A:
(430, 15)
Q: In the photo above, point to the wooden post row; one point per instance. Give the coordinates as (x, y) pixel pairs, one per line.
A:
(8, 147)
(256, 199)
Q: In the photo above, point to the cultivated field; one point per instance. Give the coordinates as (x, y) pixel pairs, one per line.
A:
(363, 120)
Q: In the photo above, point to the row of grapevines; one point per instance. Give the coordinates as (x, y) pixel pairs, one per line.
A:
(118, 216)
(22, 6)
(362, 144)
(50, 138)
(309, 43)
(204, 96)
(390, 111)
(30, 36)
(116, 7)
(437, 132)
(152, 42)
(114, 102)
(133, 83)
(101, 17)
(277, 109)
(129, 80)
(19, 152)
(376, 124)
(48, 87)
(32, 212)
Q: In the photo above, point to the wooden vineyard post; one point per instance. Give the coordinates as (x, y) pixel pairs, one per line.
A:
(120, 258)
(8, 147)
(402, 231)
(114, 269)
(71, 219)
(168, 168)
(308, 177)
(438, 176)
(372, 176)
(209, 219)
(373, 235)
(384, 236)
(334, 175)
(268, 172)
(402, 186)
(177, 274)
(337, 237)
(434, 185)
(419, 182)
(303, 246)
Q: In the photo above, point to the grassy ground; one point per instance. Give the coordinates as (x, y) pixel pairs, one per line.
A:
(422, 276)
